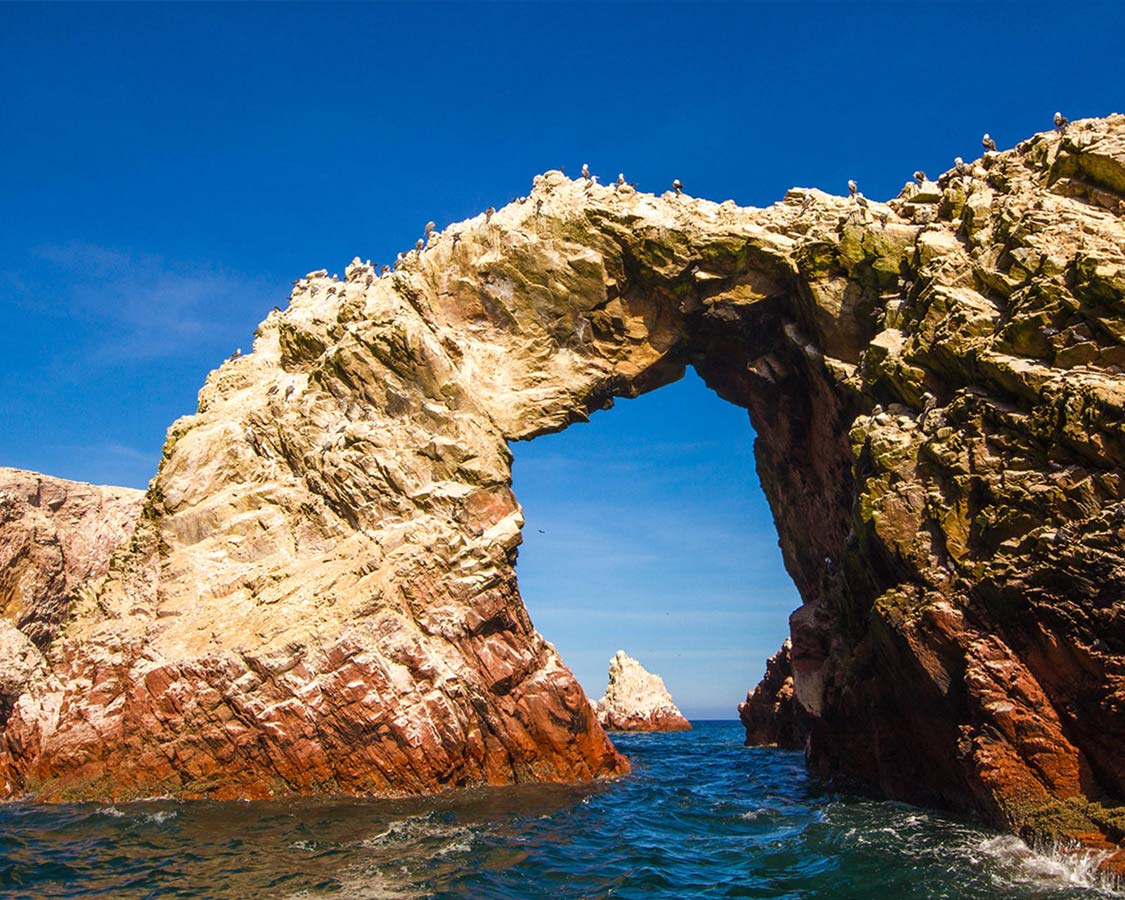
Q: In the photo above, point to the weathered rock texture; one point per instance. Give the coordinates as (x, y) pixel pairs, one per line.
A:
(320, 593)
(637, 700)
(55, 536)
(769, 712)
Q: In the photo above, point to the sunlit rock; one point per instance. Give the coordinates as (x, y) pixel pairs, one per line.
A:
(320, 594)
(637, 700)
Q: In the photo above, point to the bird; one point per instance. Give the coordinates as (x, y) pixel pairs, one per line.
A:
(489, 213)
(621, 179)
(237, 353)
(384, 270)
(419, 244)
(987, 142)
(586, 171)
(677, 185)
(852, 187)
(1061, 121)
(541, 531)
(920, 176)
(429, 229)
(959, 165)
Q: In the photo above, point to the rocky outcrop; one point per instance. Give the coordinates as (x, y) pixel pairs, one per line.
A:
(637, 700)
(769, 713)
(55, 536)
(320, 594)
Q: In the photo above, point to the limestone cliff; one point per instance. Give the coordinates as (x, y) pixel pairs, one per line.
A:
(637, 700)
(320, 593)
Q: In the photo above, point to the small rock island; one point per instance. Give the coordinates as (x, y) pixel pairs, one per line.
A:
(637, 700)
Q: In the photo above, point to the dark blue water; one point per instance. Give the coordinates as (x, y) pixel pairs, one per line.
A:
(701, 817)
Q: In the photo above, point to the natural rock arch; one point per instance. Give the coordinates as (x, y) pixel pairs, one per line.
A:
(320, 594)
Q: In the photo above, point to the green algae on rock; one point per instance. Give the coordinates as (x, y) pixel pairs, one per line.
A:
(322, 588)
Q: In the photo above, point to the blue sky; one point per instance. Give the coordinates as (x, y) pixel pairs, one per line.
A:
(168, 169)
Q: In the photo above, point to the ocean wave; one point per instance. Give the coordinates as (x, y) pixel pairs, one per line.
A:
(1014, 863)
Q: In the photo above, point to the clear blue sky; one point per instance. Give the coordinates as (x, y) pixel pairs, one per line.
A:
(167, 170)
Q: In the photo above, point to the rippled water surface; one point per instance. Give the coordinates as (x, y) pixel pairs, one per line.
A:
(701, 817)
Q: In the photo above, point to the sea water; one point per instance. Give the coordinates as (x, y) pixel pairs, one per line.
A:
(700, 817)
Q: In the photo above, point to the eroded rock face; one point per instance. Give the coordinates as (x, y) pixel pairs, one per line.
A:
(55, 536)
(637, 700)
(321, 595)
(769, 713)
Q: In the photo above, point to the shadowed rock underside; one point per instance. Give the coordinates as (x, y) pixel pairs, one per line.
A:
(320, 593)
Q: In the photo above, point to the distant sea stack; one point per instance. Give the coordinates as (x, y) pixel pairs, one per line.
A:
(637, 700)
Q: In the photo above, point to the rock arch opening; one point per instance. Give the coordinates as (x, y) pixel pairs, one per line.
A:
(646, 529)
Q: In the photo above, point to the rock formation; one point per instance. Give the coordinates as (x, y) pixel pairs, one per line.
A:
(55, 536)
(769, 713)
(320, 592)
(637, 700)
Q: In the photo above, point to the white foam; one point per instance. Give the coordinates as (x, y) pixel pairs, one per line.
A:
(1013, 862)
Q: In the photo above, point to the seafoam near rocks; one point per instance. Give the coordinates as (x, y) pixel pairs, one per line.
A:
(637, 700)
(320, 593)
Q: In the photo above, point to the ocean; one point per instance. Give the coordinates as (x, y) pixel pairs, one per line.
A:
(700, 817)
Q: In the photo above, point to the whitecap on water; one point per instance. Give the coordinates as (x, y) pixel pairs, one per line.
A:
(1014, 863)
(156, 818)
(422, 832)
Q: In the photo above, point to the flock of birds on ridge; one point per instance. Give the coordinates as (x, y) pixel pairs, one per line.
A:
(959, 164)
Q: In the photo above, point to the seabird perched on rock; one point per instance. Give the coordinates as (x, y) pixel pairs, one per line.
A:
(852, 187)
(959, 165)
(1061, 121)
(987, 142)
(621, 179)
(489, 213)
(586, 171)
(920, 176)
(429, 229)
(591, 181)
(384, 270)
(419, 244)
(677, 185)
(237, 353)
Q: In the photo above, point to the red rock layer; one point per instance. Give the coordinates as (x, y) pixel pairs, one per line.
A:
(321, 593)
